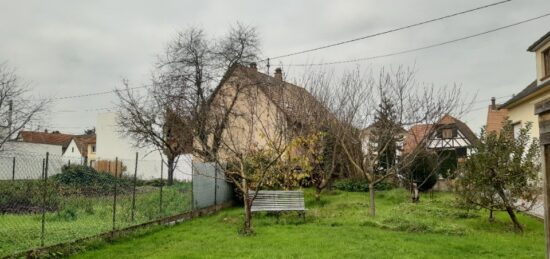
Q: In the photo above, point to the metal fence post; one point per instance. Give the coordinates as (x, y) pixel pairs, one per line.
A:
(13, 170)
(44, 194)
(215, 184)
(134, 190)
(161, 185)
(192, 186)
(114, 196)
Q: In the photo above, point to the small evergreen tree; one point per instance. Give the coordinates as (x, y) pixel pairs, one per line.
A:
(385, 134)
(502, 169)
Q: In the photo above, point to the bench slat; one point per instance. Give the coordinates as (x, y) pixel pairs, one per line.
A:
(278, 201)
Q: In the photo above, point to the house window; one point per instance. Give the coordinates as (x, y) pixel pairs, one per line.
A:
(517, 128)
(72, 150)
(546, 63)
(93, 148)
(447, 133)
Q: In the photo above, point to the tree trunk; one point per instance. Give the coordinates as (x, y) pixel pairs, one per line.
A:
(517, 226)
(318, 194)
(372, 206)
(509, 209)
(171, 166)
(319, 188)
(247, 227)
(491, 216)
(415, 197)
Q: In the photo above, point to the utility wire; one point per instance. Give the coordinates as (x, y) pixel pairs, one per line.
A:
(386, 32)
(421, 48)
(90, 94)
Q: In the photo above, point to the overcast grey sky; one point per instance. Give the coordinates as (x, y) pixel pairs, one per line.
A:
(67, 48)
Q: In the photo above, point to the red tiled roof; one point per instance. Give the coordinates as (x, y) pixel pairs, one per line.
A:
(82, 143)
(415, 136)
(37, 137)
(59, 139)
(418, 133)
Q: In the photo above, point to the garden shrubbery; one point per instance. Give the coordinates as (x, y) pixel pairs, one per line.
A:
(79, 179)
(360, 185)
(27, 196)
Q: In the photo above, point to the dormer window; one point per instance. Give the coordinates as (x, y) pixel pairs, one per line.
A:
(447, 133)
(546, 63)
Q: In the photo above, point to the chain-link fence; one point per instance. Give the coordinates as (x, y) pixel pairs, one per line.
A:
(47, 200)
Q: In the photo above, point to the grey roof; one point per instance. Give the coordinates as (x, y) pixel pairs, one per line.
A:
(531, 88)
(539, 41)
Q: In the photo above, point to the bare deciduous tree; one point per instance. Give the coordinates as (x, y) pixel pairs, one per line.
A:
(257, 138)
(178, 104)
(355, 105)
(17, 110)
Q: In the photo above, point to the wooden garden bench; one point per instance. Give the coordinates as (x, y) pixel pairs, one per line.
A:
(279, 201)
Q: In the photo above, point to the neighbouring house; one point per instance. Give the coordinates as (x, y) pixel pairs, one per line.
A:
(112, 145)
(262, 106)
(78, 149)
(449, 137)
(82, 149)
(521, 107)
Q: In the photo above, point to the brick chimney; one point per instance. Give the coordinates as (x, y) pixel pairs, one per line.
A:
(493, 103)
(254, 66)
(278, 74)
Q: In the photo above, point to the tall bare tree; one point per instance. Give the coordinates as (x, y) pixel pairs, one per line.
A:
(17, 110)
(355, 104)
(176, 109)
(258, 137)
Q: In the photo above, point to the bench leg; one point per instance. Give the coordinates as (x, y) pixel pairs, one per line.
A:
(303, 215)
(278, 214)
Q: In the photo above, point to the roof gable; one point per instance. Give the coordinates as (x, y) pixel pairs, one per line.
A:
(534, 47)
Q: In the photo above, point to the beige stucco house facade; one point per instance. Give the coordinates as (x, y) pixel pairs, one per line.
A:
(521, 107)
(266, 111)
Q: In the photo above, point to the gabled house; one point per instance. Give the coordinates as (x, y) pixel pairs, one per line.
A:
(520, 108)
(75, 148)
(448, 135)
(45, 137)
(82, 149)
(260, 105)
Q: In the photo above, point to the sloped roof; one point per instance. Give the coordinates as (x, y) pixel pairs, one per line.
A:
(415, 136)
(495, 119)
(420, 132)
(531, 88)
(535, 44)
(83, 141)
(298, 105)
(468, 133)
(38, 137)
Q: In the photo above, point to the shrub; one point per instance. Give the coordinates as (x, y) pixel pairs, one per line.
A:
(79, 179)
(27, 196)
(423, 171)
(360, 185)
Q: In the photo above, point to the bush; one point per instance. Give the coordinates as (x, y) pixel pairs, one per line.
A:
(27, 196)
(79, 179)
(360, 185)
(423, 171)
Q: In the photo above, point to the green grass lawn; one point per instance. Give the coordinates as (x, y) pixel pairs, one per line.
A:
(85, 216)
(340, 227)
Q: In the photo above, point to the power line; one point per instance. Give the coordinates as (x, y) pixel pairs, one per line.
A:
(422, 48)
(386, 32)
(91, 94)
